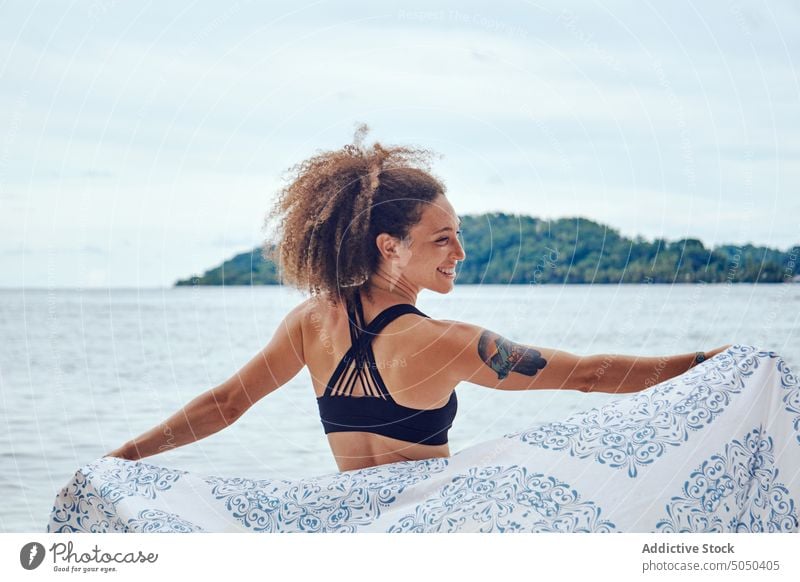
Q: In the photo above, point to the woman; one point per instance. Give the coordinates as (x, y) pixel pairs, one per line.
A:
(364, 231)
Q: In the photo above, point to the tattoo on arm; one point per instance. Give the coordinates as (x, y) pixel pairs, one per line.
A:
(504, 356)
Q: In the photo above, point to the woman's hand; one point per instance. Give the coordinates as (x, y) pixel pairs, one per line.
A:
(119, 453)
(713, 353)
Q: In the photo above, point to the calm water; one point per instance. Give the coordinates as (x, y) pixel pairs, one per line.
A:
(83, 371)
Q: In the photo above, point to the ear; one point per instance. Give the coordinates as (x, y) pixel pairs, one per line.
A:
(394, 250)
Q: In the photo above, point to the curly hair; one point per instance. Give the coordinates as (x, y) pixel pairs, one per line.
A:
(336, 204)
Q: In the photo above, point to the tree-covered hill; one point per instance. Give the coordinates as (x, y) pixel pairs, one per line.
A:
(512, 249)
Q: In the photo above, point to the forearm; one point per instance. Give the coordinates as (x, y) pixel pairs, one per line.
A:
(200, 418)
(620, 374)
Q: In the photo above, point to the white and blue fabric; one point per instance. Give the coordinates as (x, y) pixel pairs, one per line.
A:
(716, 449)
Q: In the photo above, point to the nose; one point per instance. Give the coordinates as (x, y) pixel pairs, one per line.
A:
(460, 253)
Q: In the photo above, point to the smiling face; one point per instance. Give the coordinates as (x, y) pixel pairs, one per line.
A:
(427, 259)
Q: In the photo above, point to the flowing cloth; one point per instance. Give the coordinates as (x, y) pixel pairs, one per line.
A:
(716, 449)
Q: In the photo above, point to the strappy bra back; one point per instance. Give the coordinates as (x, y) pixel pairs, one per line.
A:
(376, 411)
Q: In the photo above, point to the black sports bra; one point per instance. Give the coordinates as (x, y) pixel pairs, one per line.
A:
(376, 411)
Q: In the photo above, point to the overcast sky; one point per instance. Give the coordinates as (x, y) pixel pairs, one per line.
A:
(143, 142)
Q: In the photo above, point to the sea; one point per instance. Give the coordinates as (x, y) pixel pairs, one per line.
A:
(84, 370)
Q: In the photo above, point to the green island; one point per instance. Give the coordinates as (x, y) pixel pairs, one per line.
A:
(517, 249)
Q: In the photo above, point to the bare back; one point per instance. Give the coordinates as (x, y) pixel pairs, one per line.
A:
(406, 360)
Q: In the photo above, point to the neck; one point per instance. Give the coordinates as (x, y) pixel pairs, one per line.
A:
(393, 287)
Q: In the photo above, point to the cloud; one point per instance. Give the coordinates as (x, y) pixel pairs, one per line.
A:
(174, 133)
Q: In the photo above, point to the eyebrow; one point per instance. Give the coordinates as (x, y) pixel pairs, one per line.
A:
(446, 228)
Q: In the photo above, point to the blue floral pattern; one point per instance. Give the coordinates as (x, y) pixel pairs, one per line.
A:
(791, 397)
(78, 508)
(504, 499)
(158, 521)
(736, 490)
(339, 504)
(714, 449)
(139, 479)
(81, 503)
(632, 433)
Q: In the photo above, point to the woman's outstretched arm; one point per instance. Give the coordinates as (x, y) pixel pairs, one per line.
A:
(203, 416)
(486, 358)
(219, 407)
(621, 374)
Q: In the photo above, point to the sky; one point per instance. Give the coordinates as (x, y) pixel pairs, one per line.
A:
(144, 142)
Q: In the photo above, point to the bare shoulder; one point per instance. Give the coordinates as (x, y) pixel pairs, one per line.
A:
(451, 334)
(313, 308)
(316, 313)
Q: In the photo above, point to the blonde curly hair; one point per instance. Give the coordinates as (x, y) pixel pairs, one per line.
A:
(335, 205)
